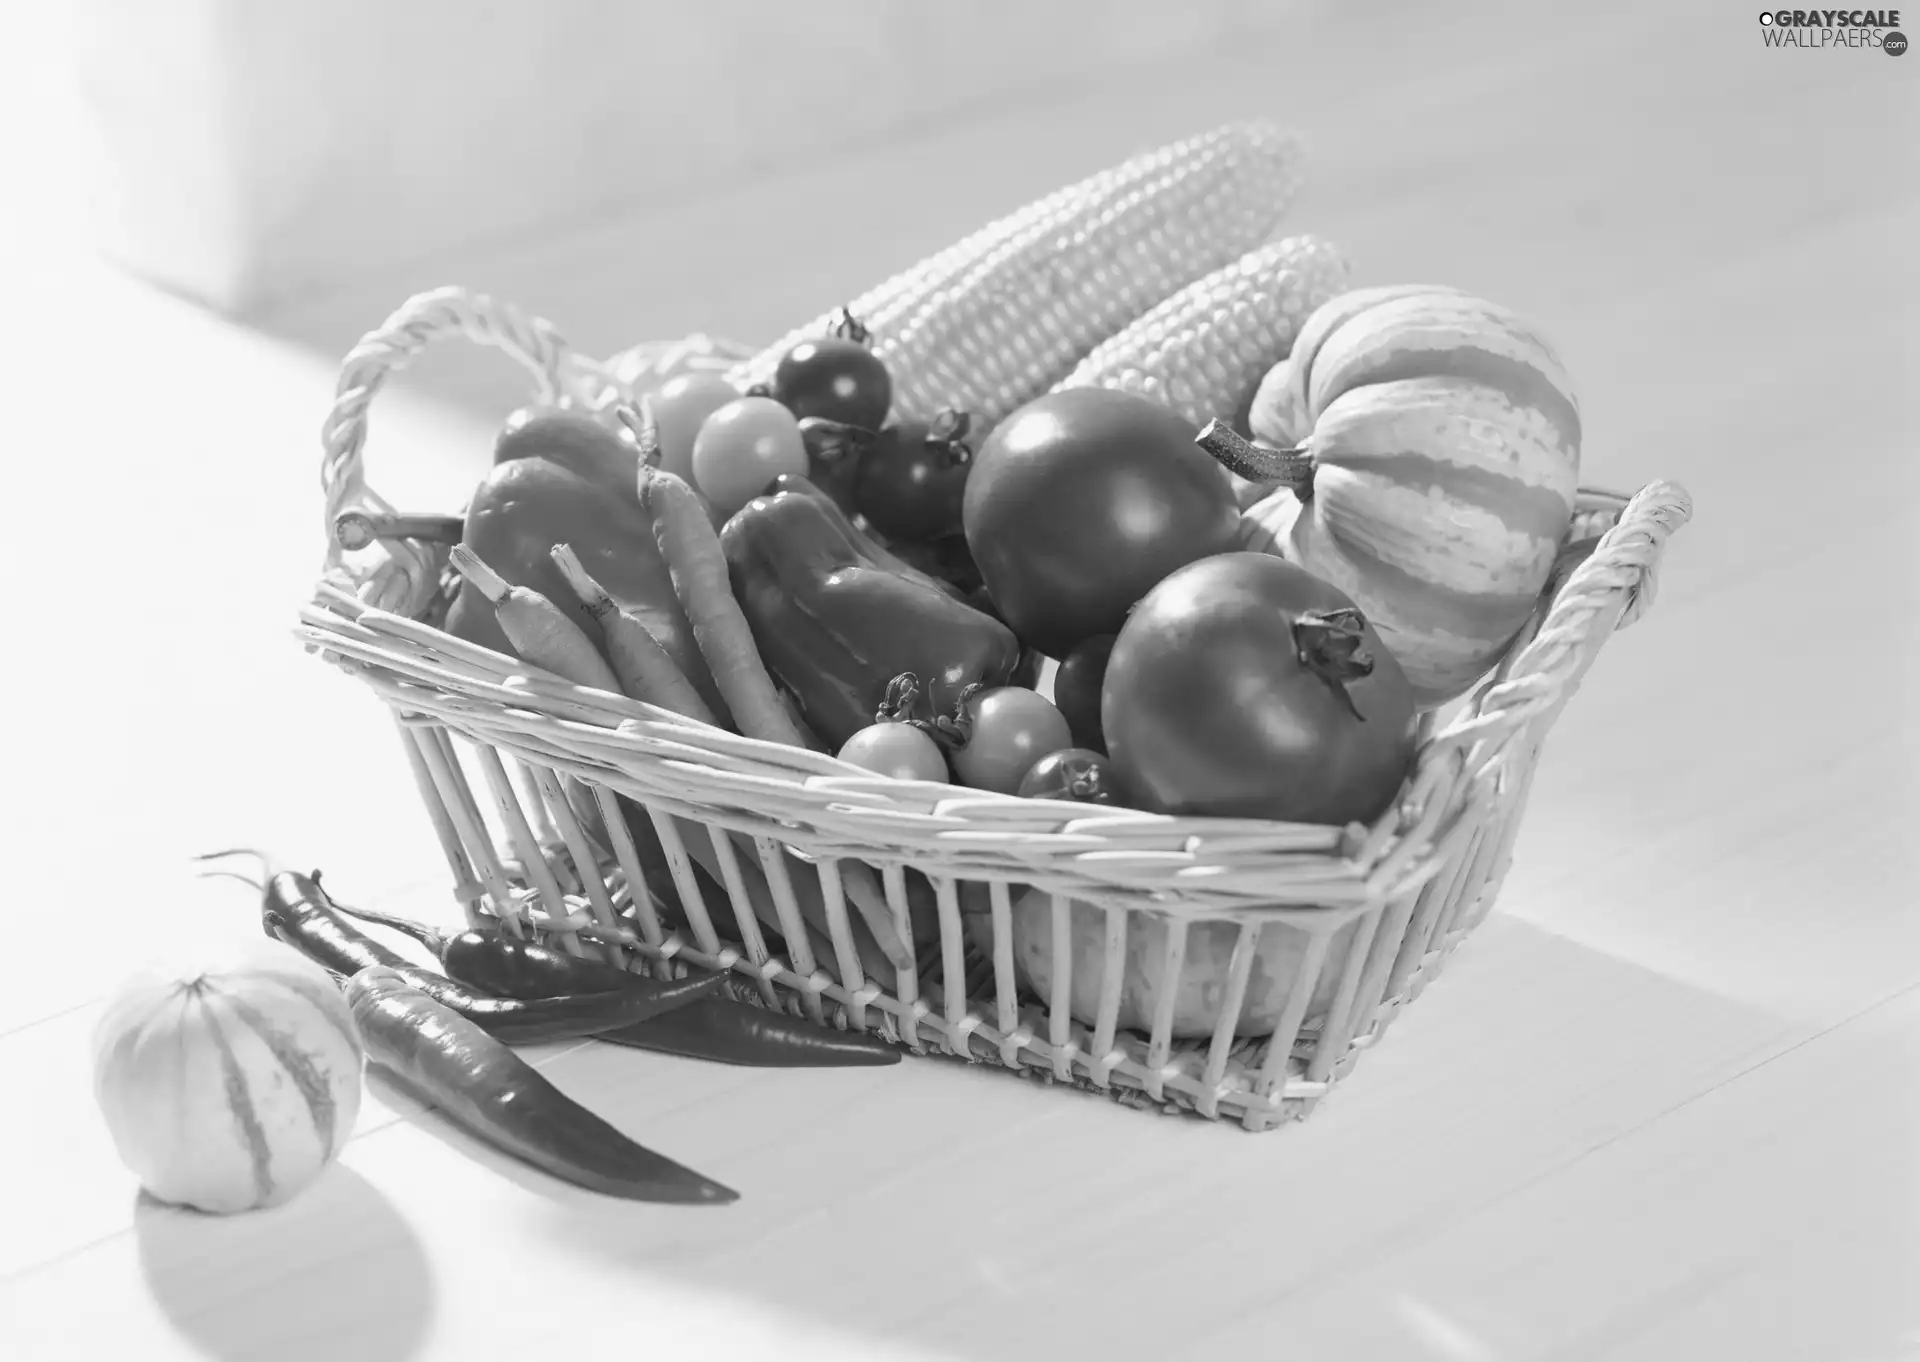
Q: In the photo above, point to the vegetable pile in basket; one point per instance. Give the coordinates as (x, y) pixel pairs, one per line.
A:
(1258, 529)
(1130, 499)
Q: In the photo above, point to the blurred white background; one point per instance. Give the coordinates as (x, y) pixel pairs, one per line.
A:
(260, 155)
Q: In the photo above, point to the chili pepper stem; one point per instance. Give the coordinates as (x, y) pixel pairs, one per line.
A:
(266, 863)
(1257, 463)
(416, 931)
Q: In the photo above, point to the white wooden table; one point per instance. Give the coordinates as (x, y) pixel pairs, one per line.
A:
(1661, 1108)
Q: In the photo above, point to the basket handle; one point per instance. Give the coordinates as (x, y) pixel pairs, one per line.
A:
(405, 573)
(1608, 591)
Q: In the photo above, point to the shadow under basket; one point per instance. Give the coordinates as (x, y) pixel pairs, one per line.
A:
(1231, 968)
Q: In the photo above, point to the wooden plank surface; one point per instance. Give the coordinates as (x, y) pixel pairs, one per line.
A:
(1662, 1106)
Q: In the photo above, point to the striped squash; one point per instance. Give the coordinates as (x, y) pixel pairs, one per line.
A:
(229, 1090)
(1431, 450)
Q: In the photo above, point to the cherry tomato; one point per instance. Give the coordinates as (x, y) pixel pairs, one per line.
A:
(837, 378)
(741, 448)
(897, 750)
(1011, 728)
(1075, 773)
(912, 481)
(1076, 689)
(681, 406)
(1245, 687)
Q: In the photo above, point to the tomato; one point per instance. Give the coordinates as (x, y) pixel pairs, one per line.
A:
(1076, 690)
(897, 750)
(911, 481)
(1009, 729)
(837, 378)
(741, 448)
(681, 406)
(1080, 501)
(1243, 686)
(1074, 773)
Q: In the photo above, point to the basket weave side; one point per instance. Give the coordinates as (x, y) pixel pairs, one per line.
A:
(1363, 915)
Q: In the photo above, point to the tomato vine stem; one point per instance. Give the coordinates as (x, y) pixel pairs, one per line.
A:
(951, 731)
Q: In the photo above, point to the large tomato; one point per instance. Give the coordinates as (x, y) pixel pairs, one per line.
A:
(1079, 502)
(1243, 686)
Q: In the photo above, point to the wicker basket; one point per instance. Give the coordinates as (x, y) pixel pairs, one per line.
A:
(1333, 928)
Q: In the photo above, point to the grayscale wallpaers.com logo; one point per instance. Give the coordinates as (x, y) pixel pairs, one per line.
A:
(1864, 28)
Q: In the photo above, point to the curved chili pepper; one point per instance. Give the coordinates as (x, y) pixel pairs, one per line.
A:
(296, 910)
(721, 1030)
(490, 1092)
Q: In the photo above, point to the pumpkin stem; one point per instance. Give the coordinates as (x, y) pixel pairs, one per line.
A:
(1257, 463)
(1332, 645)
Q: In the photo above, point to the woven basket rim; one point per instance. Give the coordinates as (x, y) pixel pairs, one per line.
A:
(497, 699)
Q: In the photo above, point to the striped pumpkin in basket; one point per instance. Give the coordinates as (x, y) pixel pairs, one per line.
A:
(1428, 456)
(999, 319)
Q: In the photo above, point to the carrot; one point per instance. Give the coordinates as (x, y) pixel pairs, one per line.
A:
(540, 632)
(700, 579)
(646, 670)
(699, 568)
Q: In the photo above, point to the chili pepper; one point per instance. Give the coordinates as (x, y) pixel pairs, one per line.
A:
(717, 1029)
(297, 911)
(835, 623)
(487, 1090)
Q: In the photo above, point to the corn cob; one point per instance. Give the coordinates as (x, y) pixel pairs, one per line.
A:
(1203, 351)
(1017, 321)
(882, 305)
(993, 322)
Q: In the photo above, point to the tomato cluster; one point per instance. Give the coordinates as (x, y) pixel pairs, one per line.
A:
(1191, 678)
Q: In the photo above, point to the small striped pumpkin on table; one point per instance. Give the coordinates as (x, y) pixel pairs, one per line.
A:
(229, 1090)
(1426, 447)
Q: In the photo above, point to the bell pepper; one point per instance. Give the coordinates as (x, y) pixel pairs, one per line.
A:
(838, 620)
(547, 494)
